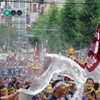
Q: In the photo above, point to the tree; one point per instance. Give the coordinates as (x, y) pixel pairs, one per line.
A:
(62, 19)
(86, 22)
(68, 15)
(46, 21)
(76, 24)
(7, 34)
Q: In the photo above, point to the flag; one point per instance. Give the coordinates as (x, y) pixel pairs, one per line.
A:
(14, 56)
(93, 57)
(36, 53)
(47, 48)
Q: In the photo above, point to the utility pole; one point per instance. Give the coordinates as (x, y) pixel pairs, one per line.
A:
(8, 35)
(0, 13)
(27, 46)
(8, 40)
(19, 46)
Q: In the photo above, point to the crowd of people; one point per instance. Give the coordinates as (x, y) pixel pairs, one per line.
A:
(13, 77)
(55, 90)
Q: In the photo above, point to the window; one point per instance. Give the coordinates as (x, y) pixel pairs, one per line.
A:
(22, 24)
(16, 5)
(34, 7)
(22, 5)
(16, 24)
(41, 1)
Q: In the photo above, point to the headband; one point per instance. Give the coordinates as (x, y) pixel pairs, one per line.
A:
(67, 85)
(98, 91)
(91, 90)
(27, 85)
(57, 84)
(49, 85)
(3, 89)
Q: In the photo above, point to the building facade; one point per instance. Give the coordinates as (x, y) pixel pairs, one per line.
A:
(5, 19)
(19, 22)
(34, 10)
(38, 7)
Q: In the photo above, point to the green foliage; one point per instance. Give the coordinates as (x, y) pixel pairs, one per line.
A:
(77, 24)
(87, 22)
(67, 18)
(46, 21)
(7, 34)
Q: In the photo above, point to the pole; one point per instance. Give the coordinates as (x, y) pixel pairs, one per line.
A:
(80, 50)
(44, 29)
(8, 40)
(19, 46)
(0, 13)
(27, 47)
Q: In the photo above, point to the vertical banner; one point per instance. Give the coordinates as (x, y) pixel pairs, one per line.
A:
(93, 56)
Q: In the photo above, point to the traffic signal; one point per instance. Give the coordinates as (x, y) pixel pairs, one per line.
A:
(13, 12)
(6, 12)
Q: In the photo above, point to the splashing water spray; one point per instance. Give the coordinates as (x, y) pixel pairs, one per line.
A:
(61, 65)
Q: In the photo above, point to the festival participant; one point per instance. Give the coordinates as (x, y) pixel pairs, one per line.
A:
(96, 86)
(18, 85)
(3, 91)
(90, 94)
(98, 94)
(47, 91)
(59, 89)
(27, 85)
(89, 83)
(1, 83)
(73, 88)
(67, 95)
(10, 97)
(6, 82)
(11, 90)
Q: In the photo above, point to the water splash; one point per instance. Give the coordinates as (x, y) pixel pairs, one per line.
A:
(64, 66)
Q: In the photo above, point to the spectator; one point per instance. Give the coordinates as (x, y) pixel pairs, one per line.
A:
(3, 91)
(10, 97)
(47, 91)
